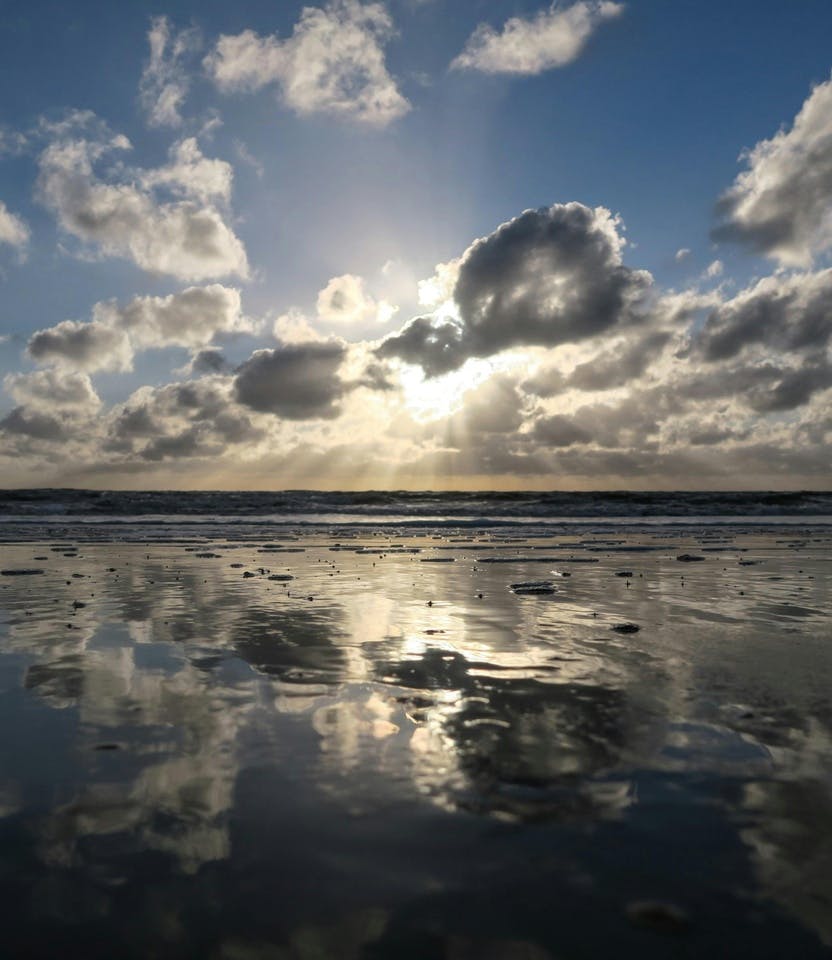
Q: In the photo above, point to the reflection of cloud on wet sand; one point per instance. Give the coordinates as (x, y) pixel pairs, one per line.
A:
(401, 686)
(181, 765)
(790, 836)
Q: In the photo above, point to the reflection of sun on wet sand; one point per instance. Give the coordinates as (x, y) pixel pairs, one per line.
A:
(216, 719)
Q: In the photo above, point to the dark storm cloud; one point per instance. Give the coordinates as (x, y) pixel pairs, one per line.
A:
(559, 431)
(208, 361)
(179, 420)
(615, 368)
(794, 388)
(723, 381)
(548, 277)
(437, 346)
(710, 436)
(297, 382)
(37, 426)
(792, 313)
(376, 376)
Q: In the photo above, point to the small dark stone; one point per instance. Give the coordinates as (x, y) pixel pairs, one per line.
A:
(689, 558)
(626, 628)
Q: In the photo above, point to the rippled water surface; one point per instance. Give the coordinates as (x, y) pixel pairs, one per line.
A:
(390, 756)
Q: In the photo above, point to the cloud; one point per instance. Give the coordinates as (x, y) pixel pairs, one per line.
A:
(13, 230)
(781, 205)
(620, 364)
(344, 302)
(12, 142)
(50, 389)
(186, 238)
(681, 254)
(333, 63)
(560, 431)
(191, 318)
(53, 407)
(208, 361)
(164, 83)
(438, 346)
(493, 407)
(190, 174)
(548, 277)
(715, 269)
(794, 388)
(197, 418)
(791, 313)
(33, 425)
(91, 346)
(297, 382)
(552, 38)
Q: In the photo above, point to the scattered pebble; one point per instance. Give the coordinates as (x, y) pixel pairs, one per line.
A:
(533, 587)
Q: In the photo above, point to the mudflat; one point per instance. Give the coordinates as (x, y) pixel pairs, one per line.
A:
(320, 745)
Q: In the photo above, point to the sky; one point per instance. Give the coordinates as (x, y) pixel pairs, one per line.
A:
(445, 244)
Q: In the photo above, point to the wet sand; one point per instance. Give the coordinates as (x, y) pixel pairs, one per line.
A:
(366, 744)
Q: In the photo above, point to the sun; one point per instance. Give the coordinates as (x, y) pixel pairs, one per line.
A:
(432, 398)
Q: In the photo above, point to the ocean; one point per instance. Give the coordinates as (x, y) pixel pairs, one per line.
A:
(122, 514)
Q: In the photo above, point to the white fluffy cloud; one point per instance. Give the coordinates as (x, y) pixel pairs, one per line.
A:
(186, 237)
(781, 205)
(552, 38)
(13, 230)
(192, 318)
(164, 83)
(48, 389)
(76, 345)
(190, 174)
(344, 302)
(333, 63)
